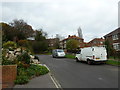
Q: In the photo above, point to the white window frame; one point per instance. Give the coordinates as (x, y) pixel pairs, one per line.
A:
(116, 46)
(115, 37)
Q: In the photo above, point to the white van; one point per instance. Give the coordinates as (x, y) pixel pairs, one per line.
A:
(92, 54)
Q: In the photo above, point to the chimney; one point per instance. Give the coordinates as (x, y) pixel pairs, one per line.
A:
(68, 35)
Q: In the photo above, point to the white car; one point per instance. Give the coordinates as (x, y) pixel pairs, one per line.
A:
(92, 54)
(58, 53)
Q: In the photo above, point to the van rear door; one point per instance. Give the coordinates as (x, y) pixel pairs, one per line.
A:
(99, 53)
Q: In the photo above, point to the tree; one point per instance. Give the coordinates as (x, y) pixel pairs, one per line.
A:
(39, 36)
(72, 45)
(40, 44)
(109, 48)
(23, 28)
(8, 32)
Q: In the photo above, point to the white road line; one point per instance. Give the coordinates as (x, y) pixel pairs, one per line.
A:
(55, 82)
(57, 85)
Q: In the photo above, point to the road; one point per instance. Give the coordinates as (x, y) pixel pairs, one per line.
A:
(72, 74)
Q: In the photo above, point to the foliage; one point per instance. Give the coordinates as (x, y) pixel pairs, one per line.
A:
(23, 43)
(16, 30)
(57, 45)
(9, 44)
(21, 26)
(39, 46)
(70, 56)
(39, 36)
(7, 62)
(72, 44)
(22, 79)
(43, 70)
(113, 62)
(110, 50)
(24, 74)
(24, 57)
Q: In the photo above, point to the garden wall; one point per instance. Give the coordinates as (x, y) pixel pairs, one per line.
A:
(9, 73)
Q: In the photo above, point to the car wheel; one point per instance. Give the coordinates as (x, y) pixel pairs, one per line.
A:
(89, 62)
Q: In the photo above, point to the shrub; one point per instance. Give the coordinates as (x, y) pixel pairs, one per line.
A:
(7, 62)
(9, 44)
(39, 46)
(30, 72)
(43, 70)
(24, 57)
(24, 74)
(22, 79)
(21, 71)
(23, 43)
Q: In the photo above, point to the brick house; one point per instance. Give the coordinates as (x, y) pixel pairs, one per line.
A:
(95, 42)
(64, 41)
(114, 39)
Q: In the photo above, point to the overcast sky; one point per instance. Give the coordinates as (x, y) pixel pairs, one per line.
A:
(95, 17)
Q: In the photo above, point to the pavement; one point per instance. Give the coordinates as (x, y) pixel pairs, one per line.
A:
(43, 81)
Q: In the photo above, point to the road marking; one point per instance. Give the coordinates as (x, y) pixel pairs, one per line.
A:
(58, 86)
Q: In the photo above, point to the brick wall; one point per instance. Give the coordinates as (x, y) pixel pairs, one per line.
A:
(9, 73)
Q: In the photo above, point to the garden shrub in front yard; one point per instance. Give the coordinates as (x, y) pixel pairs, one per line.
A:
(24, 74)
(22, 79)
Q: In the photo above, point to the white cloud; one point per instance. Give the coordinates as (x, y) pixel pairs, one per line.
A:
(96, 17)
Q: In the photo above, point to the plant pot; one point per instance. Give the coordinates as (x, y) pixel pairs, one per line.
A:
(9, 73)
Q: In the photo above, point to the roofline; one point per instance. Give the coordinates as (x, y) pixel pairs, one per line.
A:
(111, 32)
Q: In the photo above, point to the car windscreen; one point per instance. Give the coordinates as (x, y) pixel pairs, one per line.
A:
(60, 51)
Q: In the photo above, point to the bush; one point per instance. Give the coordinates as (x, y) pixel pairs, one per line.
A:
(23, 43)
(43, 70)
(10, 45)
(24, 74)
(22, 79)
(39, 46)
(24, 57)
(7, 62)
(30, 72)
(21, 71)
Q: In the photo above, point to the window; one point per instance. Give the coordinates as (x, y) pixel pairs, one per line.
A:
(116, 46)
(101, 42)
(115, 37)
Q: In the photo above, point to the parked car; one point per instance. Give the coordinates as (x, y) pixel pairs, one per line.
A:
(92, 55)
(58, 53)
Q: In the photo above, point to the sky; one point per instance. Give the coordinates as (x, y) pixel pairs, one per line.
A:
(95, 17)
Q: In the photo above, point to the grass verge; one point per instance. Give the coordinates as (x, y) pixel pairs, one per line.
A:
(111, 62)
(70, 56)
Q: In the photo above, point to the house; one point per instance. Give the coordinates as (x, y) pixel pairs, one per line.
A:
(114, 39)
(95, 42)
(64, 41)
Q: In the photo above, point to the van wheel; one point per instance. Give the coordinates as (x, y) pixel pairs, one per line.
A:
(77, 60)
(89, 62)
